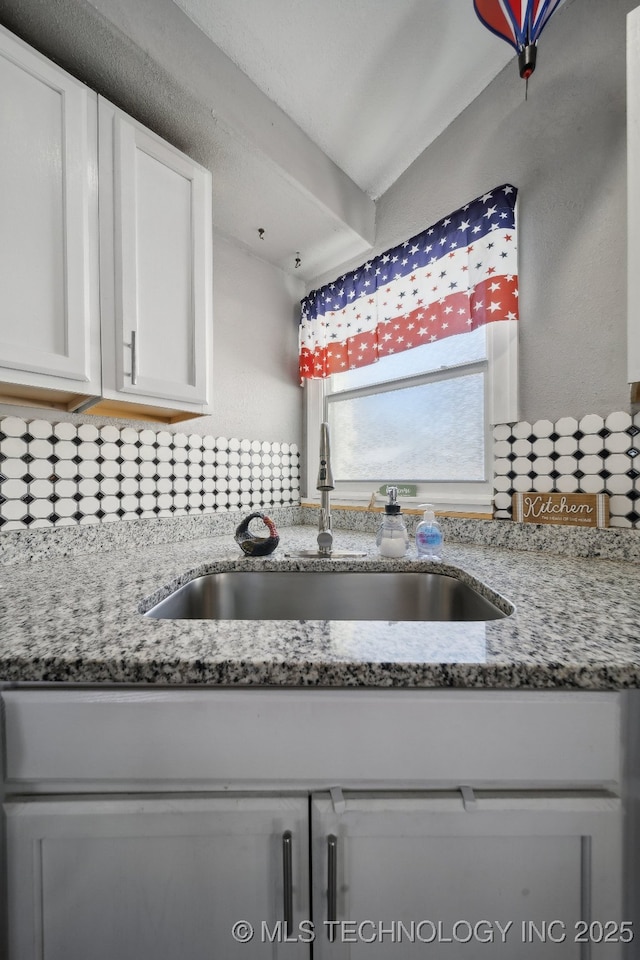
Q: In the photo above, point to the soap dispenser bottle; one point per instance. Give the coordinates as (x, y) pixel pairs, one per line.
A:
(392, 538)
(429, 536)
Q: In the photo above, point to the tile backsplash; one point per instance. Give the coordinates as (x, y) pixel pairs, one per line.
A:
(63, 474)
(591, 455)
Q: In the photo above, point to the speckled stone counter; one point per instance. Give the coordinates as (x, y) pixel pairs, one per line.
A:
(576, 623)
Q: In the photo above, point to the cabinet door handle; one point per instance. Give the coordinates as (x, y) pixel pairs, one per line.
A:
(332, 884)
(585, 892)
(287, 873)
(134, 359)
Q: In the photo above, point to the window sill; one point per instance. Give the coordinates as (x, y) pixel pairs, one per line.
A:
(346, 505)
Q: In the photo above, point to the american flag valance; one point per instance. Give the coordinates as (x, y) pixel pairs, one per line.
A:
(453, 277)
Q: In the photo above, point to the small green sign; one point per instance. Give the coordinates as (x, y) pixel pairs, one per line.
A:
(404, 489)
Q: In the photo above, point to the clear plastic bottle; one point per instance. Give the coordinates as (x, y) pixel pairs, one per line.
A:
(429, 536)
(392, 538)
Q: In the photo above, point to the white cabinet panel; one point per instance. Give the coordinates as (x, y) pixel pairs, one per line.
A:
(155, 221)
(440, 869)
(140, 280)
(72, 738)
(161, 879)
(49, 323)
(633, 196)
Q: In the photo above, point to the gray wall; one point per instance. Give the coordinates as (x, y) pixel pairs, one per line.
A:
(565, 149)
(255, 359)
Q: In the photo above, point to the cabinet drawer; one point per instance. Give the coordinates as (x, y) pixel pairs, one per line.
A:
(309, 738)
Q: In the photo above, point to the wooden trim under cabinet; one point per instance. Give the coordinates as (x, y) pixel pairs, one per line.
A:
(41, 398)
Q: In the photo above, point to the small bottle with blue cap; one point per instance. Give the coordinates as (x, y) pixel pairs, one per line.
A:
(429, 537)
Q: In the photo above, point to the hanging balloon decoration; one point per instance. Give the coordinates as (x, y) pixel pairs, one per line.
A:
(520, 23)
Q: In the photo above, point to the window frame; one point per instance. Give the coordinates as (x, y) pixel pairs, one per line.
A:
(501, 406)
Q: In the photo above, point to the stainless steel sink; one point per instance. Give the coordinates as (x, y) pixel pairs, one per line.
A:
(312, 595)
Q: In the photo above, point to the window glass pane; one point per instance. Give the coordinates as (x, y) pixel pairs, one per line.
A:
(434, 431)
(464, 348)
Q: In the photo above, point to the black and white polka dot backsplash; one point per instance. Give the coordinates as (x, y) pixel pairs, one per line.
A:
(591, 455)
(64, 474)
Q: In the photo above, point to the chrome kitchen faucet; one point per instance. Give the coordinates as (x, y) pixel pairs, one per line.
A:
(325, 485)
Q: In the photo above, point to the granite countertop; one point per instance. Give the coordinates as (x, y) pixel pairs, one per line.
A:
(576, 623)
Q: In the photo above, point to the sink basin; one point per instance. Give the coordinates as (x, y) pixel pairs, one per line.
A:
(312, 595)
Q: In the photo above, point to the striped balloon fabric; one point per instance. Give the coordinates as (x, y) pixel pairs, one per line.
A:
(452, 278)
(519, 22)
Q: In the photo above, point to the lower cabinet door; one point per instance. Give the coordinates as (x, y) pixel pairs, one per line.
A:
(152, 879)
(502, 875)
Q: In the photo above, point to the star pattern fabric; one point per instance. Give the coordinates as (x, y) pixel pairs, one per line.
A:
(452, 278)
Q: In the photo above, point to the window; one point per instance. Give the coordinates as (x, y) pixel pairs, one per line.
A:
(421, 417)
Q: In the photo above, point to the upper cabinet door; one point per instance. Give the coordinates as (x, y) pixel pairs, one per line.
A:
(48, 224)
(155, 217)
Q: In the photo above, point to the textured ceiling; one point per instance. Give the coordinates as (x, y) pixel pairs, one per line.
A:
(371, 82)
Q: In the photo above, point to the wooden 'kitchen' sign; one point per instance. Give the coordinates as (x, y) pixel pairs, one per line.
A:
(571, 509)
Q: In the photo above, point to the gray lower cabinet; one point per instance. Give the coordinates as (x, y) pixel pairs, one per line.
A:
(511, 875)
(142, 824)
(153, 879)
(445, 874)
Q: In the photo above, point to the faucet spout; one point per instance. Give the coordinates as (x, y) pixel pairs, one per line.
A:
(325, 475)
(325, 485)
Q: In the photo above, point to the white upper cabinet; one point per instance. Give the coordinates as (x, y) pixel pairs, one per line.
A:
(155, 248)
(633, 198)
(105, 253)
(49, 316)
